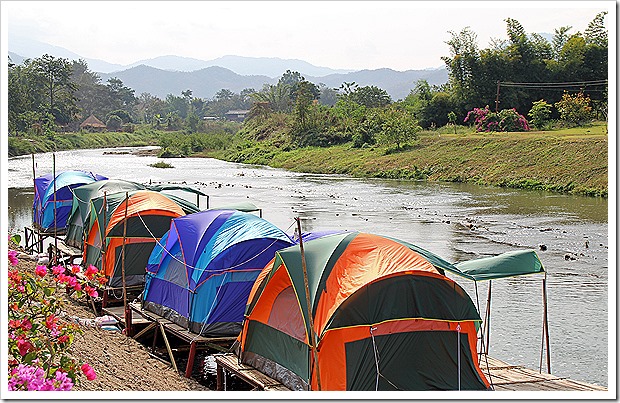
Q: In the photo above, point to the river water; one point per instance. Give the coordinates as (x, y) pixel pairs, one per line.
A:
(456, 221)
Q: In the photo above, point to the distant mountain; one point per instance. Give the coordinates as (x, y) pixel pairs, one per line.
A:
(27, 48)
(205, 83)
(171, 74)
(397, 83)
(267, 66)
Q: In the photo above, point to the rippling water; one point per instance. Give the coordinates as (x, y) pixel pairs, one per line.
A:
(455, 221)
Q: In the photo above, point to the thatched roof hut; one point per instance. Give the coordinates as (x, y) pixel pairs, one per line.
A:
(92, 123)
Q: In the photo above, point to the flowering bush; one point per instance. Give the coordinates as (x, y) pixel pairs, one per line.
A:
(38, 338)
(575, 109)
(507, 120)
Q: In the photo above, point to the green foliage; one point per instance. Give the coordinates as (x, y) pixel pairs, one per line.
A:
(398, 127)
(539, 114)
(161, 165)
(114, 123)
(507, 120)
(575, 109)
(368, 129)
(370, 96)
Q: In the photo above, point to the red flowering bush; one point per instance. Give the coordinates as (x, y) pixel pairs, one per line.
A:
(38, 337)
(507, 120)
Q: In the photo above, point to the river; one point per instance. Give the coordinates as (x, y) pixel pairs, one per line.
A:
(455, 221)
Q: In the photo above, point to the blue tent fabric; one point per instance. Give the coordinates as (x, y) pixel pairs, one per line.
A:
(43, 204)
(201, 272)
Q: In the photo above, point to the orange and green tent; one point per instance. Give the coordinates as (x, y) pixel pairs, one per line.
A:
(382, 316)
(142, 216)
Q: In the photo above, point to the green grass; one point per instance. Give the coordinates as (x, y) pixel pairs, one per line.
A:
(571, 160)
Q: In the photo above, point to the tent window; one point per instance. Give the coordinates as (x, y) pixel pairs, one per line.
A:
(286, 316)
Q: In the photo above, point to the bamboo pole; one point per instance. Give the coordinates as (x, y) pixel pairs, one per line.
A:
(488, 319)
(125, 306)
(546, 322)
(312, 335)
(55, 216)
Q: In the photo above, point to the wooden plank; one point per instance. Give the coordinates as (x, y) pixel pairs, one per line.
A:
(246, 373)
(163, 333)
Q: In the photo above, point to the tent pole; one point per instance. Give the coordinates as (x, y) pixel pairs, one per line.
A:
(488, 319)
(103, 245)
(125, 306)
(55, 216)
(311, 336)
(546, 322)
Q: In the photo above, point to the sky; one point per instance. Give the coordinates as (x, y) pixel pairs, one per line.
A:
(402, 35)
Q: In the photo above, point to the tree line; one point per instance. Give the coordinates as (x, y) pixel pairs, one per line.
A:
(523, 76)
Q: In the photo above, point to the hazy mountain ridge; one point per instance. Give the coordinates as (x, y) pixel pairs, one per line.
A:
(172, 74)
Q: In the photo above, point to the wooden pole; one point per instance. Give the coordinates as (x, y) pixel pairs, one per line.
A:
(125, 305)
(546, 323)
(55, 217)
(190, 359)
(488, 319)
(311, 336)
(497, 98)
(103, 238)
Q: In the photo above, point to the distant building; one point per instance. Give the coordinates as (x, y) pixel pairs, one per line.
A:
(237, 115)
(92, 124)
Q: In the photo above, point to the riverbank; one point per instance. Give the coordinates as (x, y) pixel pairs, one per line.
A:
(73, 141)
(573, 161)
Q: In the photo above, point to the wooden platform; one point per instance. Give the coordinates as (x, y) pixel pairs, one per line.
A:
(506, 377)
(248, 374)
(503, 377)
(162, 325)
(118, 312)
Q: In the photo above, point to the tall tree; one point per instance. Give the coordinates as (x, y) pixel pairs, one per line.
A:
(52, 77)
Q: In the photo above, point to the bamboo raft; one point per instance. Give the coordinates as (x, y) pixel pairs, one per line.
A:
(503, 377)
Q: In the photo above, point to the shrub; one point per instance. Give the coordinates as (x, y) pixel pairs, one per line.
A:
(540, 113)
(114, 123)
(38, 337)
(575, 109)
(504, 121)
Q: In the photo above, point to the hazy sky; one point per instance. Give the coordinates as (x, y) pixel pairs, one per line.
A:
(401, 35)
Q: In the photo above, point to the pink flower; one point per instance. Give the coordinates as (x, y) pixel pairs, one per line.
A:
(51, 322)
(57, 270)
(13, 257)
(63, 339)
(41, 271)
(75, 269)
(89, 372)
(71, 282)
(91, 291)
(77, 287)
(91, 271)
(24, 346)
(26, 324)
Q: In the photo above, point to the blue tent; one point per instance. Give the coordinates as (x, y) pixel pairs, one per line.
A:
(43, 204)
(201, 272)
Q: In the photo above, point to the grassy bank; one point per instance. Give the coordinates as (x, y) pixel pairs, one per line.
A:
(70, 141)
(569, 160)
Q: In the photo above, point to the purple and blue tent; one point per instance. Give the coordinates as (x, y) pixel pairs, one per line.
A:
(201, 272)
(43, 215)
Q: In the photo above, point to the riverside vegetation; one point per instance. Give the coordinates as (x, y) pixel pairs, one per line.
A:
(570, 160)
(550, 134)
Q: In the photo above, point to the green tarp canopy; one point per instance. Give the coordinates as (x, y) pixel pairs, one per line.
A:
(159, 188)
(509, 264)
(246, 207)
